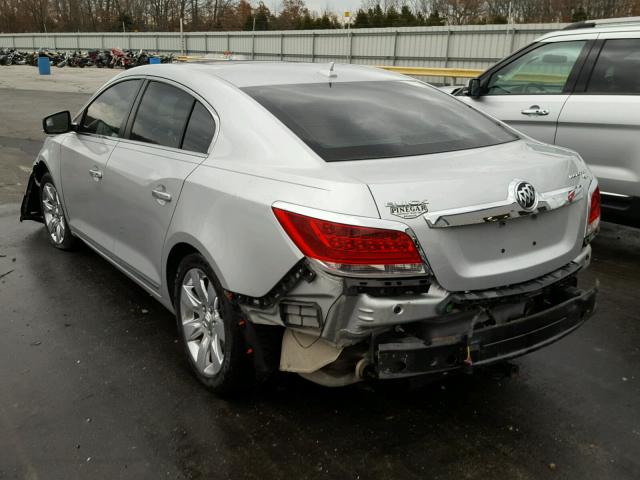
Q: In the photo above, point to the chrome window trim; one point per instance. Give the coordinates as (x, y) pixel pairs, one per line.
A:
(164, 148)
(503, 210)
(80, 115)
(214, 114)
(196, 96)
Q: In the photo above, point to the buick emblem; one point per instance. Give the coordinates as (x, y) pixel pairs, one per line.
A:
(525, 195)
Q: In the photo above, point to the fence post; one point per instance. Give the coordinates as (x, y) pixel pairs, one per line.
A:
(395, 48)
(253, 45)
(281, 47)
(228, 43)
(157, 44)
(206, 43)
(77, 41)
(313, 47)
(513, 37)
(101, 42)
(54, 36)
(350, 34)
(446, 53)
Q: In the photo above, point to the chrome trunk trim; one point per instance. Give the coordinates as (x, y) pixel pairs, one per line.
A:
(503, 210)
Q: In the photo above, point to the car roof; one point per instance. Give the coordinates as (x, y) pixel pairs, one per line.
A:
(248, 74)
(609, 25)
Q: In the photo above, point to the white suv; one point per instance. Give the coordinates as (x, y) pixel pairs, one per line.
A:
(578, 88)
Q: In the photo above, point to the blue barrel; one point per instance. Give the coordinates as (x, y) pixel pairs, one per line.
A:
(154, 60)
(44, 66)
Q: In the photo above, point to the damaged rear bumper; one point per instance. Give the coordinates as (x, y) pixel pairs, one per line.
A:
(438, 351)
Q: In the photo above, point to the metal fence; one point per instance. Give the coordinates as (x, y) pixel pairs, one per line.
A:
(471, 46)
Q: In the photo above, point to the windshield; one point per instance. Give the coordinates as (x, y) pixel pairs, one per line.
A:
(366, 120)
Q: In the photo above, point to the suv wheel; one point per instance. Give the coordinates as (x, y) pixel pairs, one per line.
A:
(210, 328)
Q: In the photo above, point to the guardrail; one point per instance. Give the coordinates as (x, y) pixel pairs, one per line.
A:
(434, 72)
(452, 73)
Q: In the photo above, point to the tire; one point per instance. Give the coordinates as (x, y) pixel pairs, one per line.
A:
(55, 221)
(209, 328)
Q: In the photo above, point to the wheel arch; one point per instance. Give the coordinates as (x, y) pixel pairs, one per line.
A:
(178, 248)
(31, 208)
(47, 161)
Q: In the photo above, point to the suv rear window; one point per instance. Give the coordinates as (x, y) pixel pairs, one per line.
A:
(366, 120)
(617, 69)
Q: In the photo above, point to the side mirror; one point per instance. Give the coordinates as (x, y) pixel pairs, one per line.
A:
(57, 123)
(474, 88)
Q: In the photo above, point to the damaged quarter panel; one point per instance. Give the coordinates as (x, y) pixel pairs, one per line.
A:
(225, 207)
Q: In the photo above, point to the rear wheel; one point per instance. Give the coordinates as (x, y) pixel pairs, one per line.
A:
(55, 221)
(209, 328)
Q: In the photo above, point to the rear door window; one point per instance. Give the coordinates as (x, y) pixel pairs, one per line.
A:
(377, 119)
(617, 70)
(107, 113)
(162, 115)
(542, 71)
(200, 130)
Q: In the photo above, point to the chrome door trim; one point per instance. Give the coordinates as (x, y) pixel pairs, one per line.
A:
(134, 274)
(504, 209)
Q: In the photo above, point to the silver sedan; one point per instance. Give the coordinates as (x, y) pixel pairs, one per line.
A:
(341, 222)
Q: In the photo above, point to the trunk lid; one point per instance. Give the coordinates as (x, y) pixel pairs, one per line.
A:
(489, 254)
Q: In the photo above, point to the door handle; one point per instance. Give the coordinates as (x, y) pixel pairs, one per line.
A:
(95, 173)
(536, 111)
(161, 194)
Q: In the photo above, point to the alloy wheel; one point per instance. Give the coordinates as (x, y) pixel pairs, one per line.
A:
(202, 324)
(53, 214)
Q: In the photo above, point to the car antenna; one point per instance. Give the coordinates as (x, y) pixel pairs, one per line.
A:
(331, 73)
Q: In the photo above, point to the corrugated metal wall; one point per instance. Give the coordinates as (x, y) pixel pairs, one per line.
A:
(471, 46)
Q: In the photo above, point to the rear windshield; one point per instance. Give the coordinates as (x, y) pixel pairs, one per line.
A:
(365, 120)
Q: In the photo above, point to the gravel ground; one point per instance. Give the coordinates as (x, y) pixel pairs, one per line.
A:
(73, 80)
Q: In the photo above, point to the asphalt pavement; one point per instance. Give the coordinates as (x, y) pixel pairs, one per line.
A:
(93, 384)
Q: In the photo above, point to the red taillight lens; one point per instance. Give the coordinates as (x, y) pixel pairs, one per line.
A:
(594, 209)
(338, 243)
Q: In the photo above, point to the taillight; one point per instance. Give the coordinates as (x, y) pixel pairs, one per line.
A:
(594, 214)
(352, 249)
(594, 210)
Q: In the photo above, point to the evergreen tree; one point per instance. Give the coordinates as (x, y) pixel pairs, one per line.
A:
(434, 19)
(391, 17)
(579, 15)
(407, 18)
(376, 16)
(362, 19)
(263, 16)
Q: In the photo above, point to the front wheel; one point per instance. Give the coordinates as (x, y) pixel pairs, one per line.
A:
(55, 221)
(209, 328)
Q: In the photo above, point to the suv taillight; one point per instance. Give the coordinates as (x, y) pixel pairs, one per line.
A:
(352, 249)
(594, 214)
